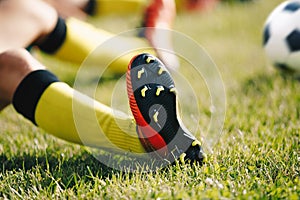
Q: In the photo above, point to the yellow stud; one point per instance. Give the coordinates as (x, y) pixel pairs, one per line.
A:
(155, 116)
(181, 157)
(143, 91)
(159, 89)
(160, 71)
(140, 72)
(149, 59)
(196, 142)
(173, 90)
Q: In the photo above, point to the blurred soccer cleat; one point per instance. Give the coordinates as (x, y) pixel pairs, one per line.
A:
(153, 102)
(157, 23)
(198, 5)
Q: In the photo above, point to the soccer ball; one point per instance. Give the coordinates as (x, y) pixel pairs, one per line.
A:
(281, 36)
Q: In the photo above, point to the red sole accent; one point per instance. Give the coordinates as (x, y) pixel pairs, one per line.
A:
(150, 138)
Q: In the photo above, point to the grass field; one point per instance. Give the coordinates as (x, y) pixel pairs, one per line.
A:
(257, 156)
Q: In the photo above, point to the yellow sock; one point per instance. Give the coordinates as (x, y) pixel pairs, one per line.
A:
(82, 39)
(107, 7)
(74, 117)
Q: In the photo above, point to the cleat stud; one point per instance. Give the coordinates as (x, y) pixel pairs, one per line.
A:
(181, 158)
(140, 72)
(159, 89)
(150, 59)
(196, 142)
(160, 71)
(143, 91)
(173, 90)
(155, 116)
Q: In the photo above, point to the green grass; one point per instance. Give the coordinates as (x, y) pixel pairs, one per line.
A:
(257, 156)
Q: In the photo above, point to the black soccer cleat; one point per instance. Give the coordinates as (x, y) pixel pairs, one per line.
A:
(153, 102)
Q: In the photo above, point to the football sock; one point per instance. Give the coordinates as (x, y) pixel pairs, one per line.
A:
(108, 7)
(74, 40)
(72, 116)
(56, 38)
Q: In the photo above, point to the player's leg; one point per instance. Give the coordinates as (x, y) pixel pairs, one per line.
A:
(23, 22)
(63, 112)
(79, 39)
(14, 66)
(20, 24)
(71, 40)
(74, 40)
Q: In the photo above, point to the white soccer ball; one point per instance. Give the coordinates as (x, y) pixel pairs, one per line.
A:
(281, 37)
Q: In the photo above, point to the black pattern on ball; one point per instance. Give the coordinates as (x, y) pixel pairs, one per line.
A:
(266, 35)
(292, 7)
(293, 40)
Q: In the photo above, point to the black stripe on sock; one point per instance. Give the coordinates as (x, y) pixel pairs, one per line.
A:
(29, 48)
(56, 38)
(90, 7)
(30, 90)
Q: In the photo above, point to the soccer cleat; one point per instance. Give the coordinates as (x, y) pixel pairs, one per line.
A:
(157, 22)
(199, 5)
(153, 102)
